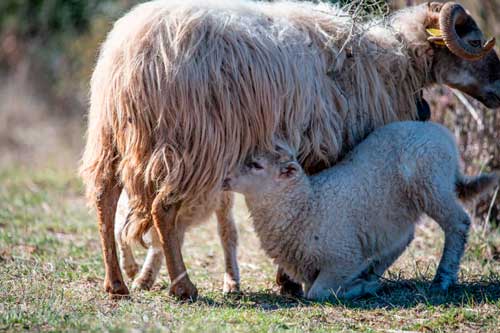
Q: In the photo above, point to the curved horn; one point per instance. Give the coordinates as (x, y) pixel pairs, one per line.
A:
(450, 14)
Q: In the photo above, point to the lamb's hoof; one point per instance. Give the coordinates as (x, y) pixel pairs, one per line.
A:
(231, 286)
(291, 289)
(319, 295)
(142, 284)
(441, 284)
(184, 290)
(116, 290)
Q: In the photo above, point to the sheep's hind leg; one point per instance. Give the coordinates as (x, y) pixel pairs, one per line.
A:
(106, 203)
(164, 218)
(455, 222)
(229, 239)
(152, 264)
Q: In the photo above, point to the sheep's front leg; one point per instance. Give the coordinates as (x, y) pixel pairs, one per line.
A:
(164, 218)
(229, 239)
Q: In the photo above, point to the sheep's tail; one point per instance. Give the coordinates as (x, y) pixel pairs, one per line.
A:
(469, 187)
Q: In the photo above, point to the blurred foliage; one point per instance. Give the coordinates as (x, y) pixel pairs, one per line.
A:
(58, 41)
(47, 18)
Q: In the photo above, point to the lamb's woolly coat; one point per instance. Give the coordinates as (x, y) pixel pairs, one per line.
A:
(360, 214)
(184, 90)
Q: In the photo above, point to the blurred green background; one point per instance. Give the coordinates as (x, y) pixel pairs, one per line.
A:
(49, 47)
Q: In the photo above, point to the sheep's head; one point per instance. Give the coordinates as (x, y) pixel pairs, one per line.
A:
(463, 58)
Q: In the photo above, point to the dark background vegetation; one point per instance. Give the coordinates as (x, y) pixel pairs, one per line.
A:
(48, 49)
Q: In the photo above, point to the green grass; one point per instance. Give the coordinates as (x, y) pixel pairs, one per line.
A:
(51, 276)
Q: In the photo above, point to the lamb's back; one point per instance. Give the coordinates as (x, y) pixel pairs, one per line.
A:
(372, 183)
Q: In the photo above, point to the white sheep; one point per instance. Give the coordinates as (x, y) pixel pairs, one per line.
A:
(339, 230)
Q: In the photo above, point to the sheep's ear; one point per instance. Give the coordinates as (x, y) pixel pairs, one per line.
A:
(289, 170)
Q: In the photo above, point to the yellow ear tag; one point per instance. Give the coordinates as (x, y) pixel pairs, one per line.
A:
(436, 36)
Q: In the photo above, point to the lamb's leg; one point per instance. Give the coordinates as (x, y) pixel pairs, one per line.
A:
(164, 218)
(106, 203)
(288, 287)
(340, 281)
(229, 239)
(127, 261)
(455, 223)
(361, 287)
(381, 264)
(152, 264)
(326, 285)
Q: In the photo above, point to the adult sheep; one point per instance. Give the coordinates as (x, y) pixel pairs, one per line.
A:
(184, 90)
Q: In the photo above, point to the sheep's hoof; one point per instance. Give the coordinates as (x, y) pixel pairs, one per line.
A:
(116, 290)
(231, 286)
(184, 290)
(142, 284)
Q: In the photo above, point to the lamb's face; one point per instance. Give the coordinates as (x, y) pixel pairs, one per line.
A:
(263, 175)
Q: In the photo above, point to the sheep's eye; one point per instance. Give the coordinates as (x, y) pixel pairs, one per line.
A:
(475, 43)
(255, 165)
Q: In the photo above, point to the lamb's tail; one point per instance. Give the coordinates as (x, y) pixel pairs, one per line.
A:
(469, 187)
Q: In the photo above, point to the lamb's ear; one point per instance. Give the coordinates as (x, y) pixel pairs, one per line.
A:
(289, 170)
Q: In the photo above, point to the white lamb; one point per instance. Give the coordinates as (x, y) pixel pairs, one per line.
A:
(338, 231)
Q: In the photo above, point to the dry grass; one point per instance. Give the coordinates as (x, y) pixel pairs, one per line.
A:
(51, 276)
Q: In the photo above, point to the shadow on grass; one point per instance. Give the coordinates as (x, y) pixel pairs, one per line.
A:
(402, 294)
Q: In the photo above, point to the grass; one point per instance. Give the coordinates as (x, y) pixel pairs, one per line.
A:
(51, 276)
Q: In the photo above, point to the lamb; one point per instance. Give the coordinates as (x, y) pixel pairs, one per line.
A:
(183, 90)
(339, 230)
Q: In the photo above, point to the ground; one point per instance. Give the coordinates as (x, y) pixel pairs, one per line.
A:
(51, 276)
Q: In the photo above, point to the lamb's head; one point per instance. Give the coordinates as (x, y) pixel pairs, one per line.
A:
(264, 174)
(463, 58)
